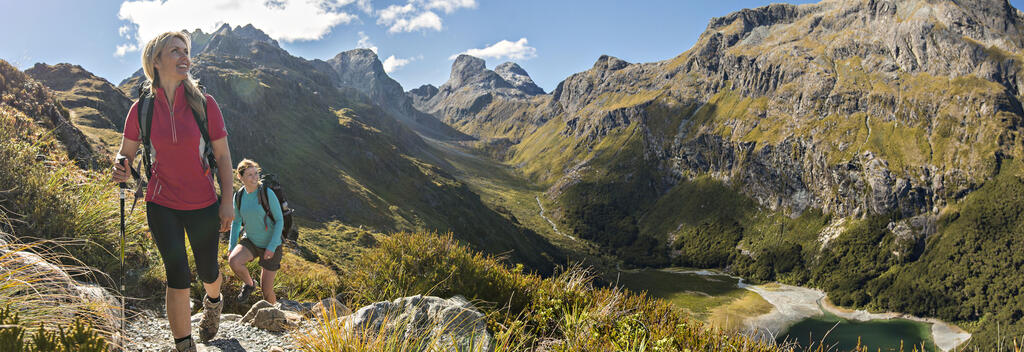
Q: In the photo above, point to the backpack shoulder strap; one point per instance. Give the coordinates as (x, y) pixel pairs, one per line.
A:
(265, 200)
(206, 149)
(203, 122)
(238, 203)
(145, 126)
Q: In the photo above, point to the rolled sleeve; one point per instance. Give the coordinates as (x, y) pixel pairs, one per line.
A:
(214, 119)
(131, 124)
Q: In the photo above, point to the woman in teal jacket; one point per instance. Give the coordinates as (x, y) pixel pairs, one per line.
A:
(262, 238)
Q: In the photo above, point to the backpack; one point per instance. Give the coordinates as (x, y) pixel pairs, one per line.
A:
(146, 98)
(269, 181)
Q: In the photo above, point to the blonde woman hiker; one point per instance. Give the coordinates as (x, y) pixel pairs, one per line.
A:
(257, 210)
(182, 133)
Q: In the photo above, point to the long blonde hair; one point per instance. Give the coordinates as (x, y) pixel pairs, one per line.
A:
(152, 53)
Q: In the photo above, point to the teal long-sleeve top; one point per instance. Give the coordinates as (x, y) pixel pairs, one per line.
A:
(262, 234)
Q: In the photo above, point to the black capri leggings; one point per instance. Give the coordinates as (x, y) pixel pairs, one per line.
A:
(169, 227)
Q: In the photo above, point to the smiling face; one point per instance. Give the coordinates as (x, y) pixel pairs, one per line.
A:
(173, 63)
(251, 177)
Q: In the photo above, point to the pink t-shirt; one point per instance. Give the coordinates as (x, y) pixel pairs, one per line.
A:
(179, 180)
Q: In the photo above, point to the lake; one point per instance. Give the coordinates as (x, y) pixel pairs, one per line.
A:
(724, 301)
(887, 335)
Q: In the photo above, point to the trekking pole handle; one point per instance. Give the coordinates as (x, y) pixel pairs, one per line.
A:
(123, 161)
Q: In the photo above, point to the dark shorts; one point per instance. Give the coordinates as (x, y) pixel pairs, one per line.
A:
(272, 264)
(169, 228)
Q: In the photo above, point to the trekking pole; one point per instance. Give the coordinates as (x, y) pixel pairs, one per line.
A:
(122, 187)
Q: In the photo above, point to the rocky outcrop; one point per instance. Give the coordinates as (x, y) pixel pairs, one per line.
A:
(442, 323)
(287, 314)
(486, 103)
(794, 176)
(268, 317)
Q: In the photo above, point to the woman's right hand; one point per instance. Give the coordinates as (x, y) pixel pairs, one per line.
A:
(120, 172)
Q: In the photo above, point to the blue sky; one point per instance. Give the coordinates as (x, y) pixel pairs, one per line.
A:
(550, 39)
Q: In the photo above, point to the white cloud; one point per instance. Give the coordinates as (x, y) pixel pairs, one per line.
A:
(124, 49)
(503, 49)
(401, 19)
(364, 42)
(392, 13)
(426, 20)
(393, 63)
(284, 20)
(419, 14)
(450, 6)
(365, 6)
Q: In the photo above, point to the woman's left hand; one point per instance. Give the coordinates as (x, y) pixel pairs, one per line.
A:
(267, 254)
(227, 214)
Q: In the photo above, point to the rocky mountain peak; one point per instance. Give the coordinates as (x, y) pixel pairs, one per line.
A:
(510, 68)
(609, 63)
(254, 34)
(247, 32)
(426, 90)
(247, 41)
(422, 94)
(357, 60)
(362, 70)
(518, 78)
(465, 68)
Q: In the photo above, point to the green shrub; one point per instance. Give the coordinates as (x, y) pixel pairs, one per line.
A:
(78, 337)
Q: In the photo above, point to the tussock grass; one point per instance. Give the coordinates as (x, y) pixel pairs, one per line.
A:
(38, 291)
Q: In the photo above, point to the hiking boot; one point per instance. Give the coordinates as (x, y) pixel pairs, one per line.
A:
(245, 291)
(184, 346)
(210, 322)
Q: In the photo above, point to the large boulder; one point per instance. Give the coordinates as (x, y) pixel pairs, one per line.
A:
(452, 323)
(269, 317)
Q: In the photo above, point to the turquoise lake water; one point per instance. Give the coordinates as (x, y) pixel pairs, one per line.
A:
(697, 292)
